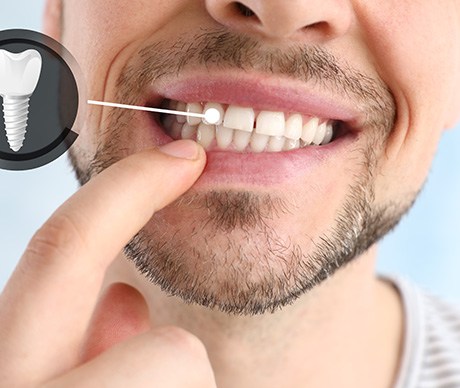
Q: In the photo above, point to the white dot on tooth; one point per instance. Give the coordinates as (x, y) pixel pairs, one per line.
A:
(212, 116)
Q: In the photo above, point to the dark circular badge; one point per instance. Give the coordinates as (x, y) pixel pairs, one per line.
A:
(40, 99)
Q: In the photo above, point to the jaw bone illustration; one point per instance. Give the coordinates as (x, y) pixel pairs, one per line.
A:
(19, 76)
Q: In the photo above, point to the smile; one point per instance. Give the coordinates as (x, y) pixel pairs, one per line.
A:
(270, 132)
(244, 129)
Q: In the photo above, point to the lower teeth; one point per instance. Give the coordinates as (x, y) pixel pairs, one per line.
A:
(218, 137)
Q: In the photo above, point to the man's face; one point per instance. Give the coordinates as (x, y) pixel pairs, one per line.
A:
(260, 228)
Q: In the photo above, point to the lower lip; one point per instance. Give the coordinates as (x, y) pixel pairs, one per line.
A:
(262, 169)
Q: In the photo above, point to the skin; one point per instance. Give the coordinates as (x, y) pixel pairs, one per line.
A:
(320, 339)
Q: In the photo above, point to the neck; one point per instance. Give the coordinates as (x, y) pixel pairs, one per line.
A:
(346, 332)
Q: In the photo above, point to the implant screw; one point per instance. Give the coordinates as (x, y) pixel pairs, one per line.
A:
(16, 113)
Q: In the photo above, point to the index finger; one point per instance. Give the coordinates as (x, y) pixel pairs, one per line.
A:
(46, 306)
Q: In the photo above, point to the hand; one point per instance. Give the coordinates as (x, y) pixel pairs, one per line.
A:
(47, 305)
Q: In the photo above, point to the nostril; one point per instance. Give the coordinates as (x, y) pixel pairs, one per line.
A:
(319, 27)
(244, 10)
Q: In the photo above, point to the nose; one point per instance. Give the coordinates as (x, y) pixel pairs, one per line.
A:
(315, 20)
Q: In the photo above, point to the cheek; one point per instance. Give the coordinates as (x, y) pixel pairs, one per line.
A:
(414, 47)
(96, 32)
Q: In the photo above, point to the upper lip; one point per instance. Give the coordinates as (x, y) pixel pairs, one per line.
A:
(259, 92)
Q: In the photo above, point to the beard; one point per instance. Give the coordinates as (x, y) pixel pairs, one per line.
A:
(228, 254)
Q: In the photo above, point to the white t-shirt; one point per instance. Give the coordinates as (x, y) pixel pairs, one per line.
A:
(431, 350)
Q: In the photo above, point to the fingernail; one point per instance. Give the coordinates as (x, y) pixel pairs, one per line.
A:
(183, 149)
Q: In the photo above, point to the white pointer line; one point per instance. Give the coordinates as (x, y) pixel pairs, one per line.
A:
(143, 108)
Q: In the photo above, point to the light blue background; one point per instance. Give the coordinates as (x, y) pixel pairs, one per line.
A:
(425, 247)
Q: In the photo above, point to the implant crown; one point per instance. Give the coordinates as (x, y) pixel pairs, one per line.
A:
(19, 73)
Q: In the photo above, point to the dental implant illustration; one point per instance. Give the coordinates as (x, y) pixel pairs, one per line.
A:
(19, 76)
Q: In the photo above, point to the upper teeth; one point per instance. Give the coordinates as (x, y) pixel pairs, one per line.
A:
(243, 127)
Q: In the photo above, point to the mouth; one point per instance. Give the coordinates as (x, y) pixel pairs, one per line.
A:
(267, 133)
(255, 117)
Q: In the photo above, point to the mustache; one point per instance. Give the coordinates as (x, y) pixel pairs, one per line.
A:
(222, 49)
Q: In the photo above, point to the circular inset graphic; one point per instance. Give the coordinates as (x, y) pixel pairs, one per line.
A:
(40, 99)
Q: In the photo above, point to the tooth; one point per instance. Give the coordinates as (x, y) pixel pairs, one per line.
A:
(259, 142)
(239, 118)
(291, 144)
(270, 123)
(188, 131)
(294, 127)
(241, 139)
(224, 136)
(329, 134)
(176, 130)
(168, 124)
(205, 134)
(194, 107)
(19, 76)
(218, 107)
(309, 130)
(320, 133)
(276, 143)
(181, 107)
